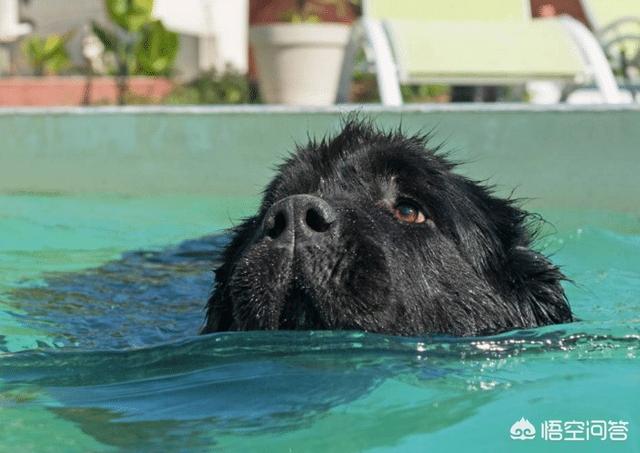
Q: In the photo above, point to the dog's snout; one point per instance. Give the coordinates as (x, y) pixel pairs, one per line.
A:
(317, 219)
(300, 216)
(275, 226)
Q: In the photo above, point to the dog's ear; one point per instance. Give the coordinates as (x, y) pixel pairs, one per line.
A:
(537, 289)
(219, 308)
(501, 249)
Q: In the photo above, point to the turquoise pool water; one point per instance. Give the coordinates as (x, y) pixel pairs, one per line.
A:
(101, 297)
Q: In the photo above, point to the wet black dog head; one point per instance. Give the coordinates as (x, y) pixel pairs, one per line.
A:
(373, 231)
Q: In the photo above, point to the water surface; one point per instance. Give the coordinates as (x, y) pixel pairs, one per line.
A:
(101, 299)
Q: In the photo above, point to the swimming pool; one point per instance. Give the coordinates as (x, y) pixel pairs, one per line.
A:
(103, 280)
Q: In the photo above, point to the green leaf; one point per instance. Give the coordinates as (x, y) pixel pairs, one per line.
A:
(156, 52)
(47, 54)
(108, 39)
(131, 15)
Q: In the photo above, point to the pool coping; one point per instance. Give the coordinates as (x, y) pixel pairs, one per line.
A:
(339, 108)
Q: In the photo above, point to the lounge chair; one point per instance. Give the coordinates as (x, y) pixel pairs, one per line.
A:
(616, 23)
(493, 42)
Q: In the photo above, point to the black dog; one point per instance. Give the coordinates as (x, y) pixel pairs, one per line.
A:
(373, 231)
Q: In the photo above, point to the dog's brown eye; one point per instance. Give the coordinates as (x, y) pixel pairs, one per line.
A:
(408, 212)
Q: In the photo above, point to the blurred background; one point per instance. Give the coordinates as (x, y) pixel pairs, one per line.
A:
(317, 52)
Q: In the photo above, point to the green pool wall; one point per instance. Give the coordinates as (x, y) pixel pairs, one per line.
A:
(559, 157)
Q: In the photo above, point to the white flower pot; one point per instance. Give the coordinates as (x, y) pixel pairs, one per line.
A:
(299, 64)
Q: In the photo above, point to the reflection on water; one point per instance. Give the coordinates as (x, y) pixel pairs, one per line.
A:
(144, 298)
(269, 383)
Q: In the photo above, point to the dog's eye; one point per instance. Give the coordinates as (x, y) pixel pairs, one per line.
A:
(406, 211)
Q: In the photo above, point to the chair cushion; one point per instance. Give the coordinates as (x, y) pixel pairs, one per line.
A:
(484, 52)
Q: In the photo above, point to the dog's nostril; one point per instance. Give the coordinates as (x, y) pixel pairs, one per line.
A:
(279, 224)
(316, 221)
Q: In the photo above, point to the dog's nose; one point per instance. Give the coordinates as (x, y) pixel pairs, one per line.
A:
(299, 217)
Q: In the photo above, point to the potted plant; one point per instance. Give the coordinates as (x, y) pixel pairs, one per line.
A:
(138, 44)
(299, 60)
(47, 55)
(137, 50)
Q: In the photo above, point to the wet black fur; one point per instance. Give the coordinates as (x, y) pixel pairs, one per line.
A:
(468, 270)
